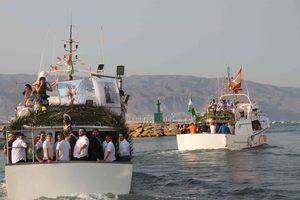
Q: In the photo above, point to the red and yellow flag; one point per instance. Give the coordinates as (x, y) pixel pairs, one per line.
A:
(236, 83)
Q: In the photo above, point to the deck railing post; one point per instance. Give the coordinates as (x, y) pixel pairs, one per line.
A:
(33, 146)
(7, 148)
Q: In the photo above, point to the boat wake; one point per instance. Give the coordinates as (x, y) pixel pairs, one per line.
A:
(94, 196)
(156, 152)
(3, 194)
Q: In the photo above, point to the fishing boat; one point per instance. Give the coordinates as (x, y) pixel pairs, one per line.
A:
(93, 101)
(245, 122)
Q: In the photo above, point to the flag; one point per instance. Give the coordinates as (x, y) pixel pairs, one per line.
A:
(54, 68)
(191, 108)
(72, 92)
(236, 83)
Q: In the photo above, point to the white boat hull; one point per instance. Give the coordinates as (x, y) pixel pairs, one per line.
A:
(31, 181)
(218, 141)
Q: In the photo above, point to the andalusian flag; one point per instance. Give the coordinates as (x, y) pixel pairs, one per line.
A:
(191, 108)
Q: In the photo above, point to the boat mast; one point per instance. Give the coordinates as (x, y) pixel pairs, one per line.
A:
(228, 75)
(100, 68)
(71, 49)
(233, 96)
(102, 46)
(70, 39)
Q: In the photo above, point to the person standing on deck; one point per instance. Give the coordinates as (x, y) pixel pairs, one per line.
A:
(26, 94)
(203, 127)
(39, 154)
(48, 148)
(213, 128)
(193, 128)
(18, 152)
(95, 148)
(63, 148)
(81, 146)
(8, 146)
(104, 144)
(71, 138)
(224, 129)
(42, 87)
(124, 149)
(212, 106)
(110, 151)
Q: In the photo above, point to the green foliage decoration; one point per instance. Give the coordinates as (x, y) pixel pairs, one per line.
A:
(80, 115)
(220, 116)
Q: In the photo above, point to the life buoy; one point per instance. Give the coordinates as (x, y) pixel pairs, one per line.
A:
(263, 138)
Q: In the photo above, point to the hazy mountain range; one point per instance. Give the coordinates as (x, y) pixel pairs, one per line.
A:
(280, 103)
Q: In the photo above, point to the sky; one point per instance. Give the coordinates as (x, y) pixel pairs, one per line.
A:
(192, 37)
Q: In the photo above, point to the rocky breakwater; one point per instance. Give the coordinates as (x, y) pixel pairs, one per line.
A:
(138, 129)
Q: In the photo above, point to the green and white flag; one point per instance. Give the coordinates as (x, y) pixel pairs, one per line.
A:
(191, 108)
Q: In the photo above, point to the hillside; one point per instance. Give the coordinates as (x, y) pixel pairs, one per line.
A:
(280, 103)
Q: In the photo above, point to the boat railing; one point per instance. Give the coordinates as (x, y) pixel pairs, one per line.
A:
(237, 95)
(74, 127)
(8, 155)
(71, 161)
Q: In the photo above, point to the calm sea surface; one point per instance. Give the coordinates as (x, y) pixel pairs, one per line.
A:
(162, 172)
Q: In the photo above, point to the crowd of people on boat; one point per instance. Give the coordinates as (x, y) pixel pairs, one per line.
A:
(207, 127)
(213, 126)
(63, 149)
(222, 105)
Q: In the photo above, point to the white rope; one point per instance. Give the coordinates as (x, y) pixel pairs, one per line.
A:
(43, 51)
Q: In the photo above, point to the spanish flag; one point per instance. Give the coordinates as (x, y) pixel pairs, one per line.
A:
(236, 83)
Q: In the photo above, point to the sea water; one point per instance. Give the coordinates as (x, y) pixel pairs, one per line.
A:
(161, 172)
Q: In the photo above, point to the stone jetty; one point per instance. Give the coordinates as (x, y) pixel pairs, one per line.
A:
(139, 129)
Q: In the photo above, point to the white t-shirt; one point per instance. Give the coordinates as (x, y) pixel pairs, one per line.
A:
(111, 148)
(213, 129)
(124, 148)
(47, 145)
(82, 140)
(63, 147)
(18, 151)
(104, 144)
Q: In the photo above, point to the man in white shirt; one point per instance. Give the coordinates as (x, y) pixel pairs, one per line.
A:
(81, 146)
(18, 152)
(104, 144)
(48, 148)
(124, 149)
(213, 128)
(110, 152)
(63, 149)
